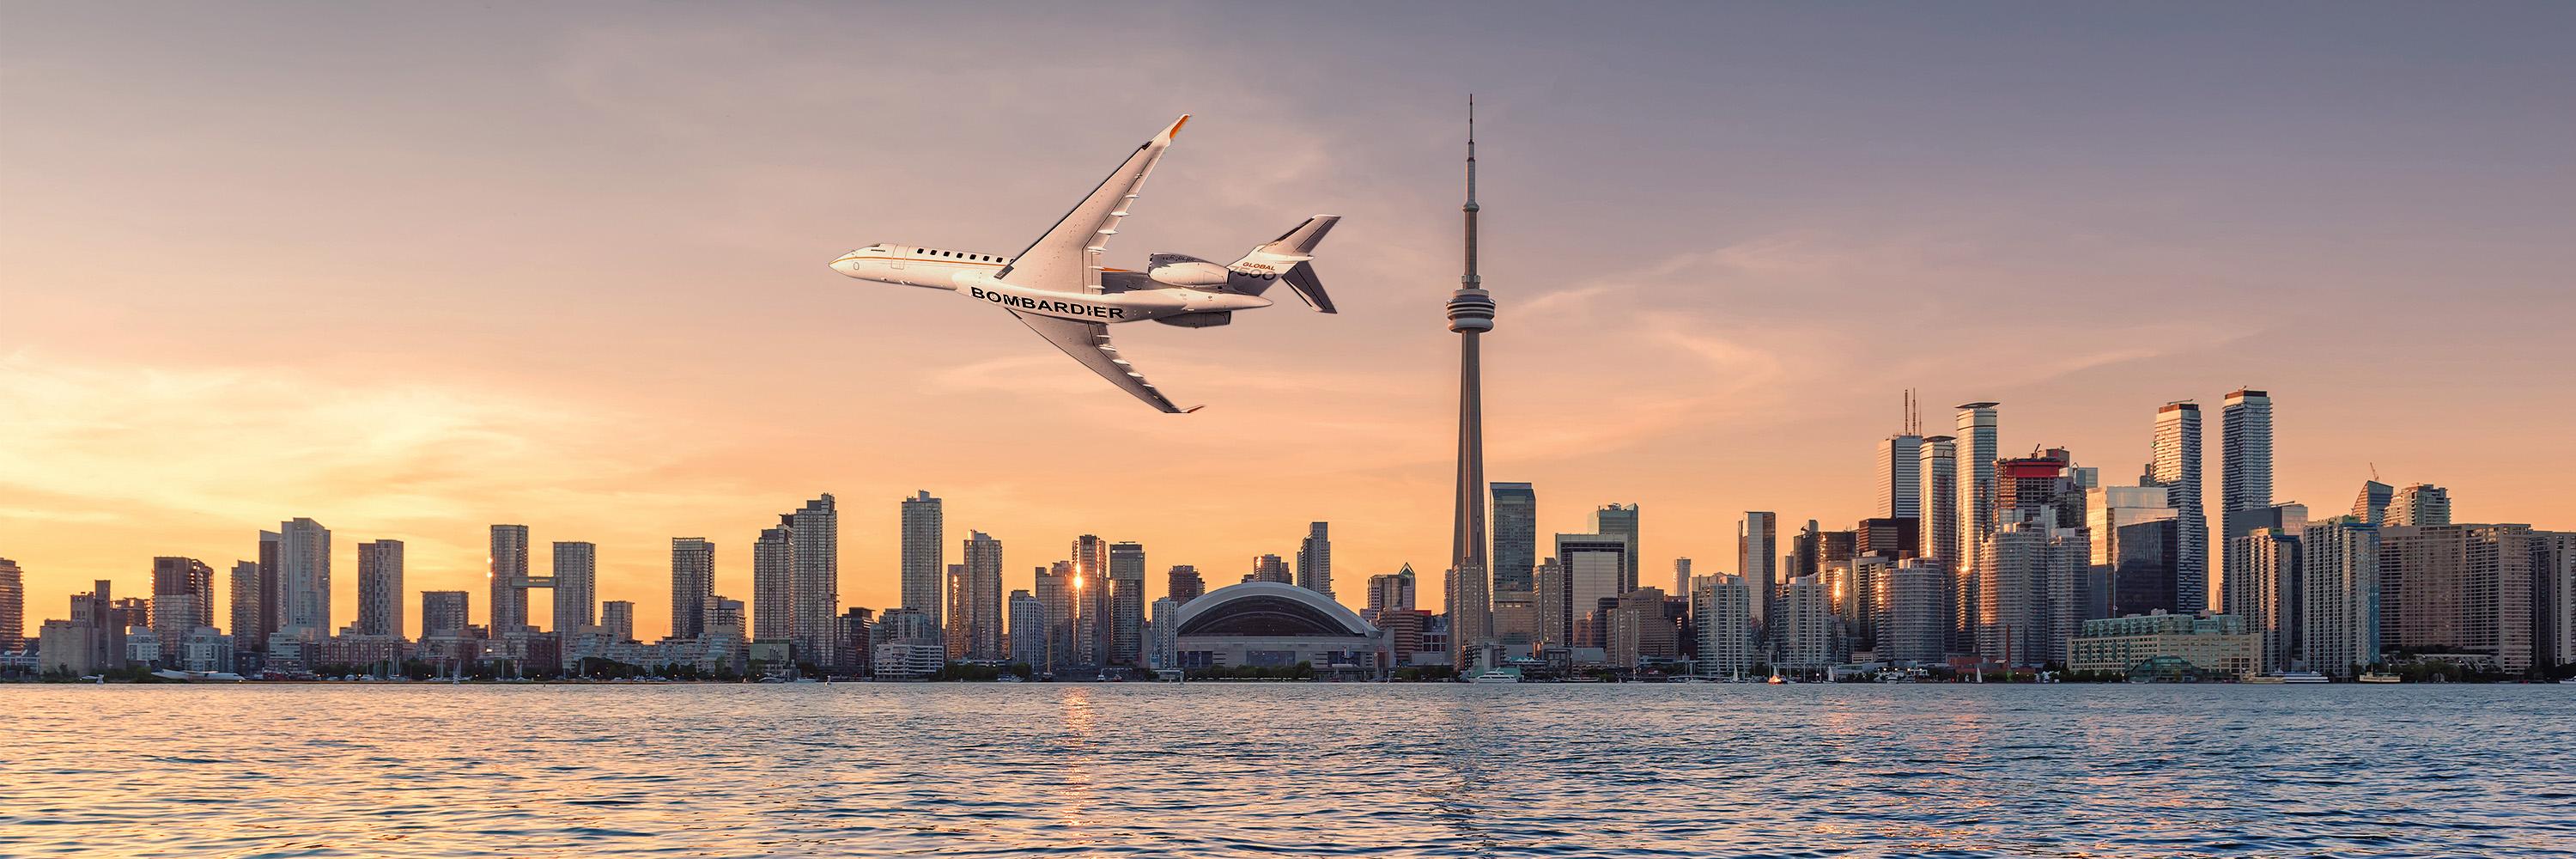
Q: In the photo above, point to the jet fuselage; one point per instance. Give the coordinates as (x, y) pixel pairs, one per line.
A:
(972, 275)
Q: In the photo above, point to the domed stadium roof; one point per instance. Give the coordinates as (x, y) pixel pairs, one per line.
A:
(1269, 609)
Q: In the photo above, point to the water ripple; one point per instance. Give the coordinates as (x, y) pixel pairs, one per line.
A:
(1218, 770)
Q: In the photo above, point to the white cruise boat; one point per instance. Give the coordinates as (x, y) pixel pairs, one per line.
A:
(1494, 675)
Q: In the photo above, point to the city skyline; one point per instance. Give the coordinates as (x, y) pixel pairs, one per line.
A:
(512, 547)
(512, 365)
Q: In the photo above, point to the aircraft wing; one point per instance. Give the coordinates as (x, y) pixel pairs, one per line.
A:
(1067, 258)
(1088, 342)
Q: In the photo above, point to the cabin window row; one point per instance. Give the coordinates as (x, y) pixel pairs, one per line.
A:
(955, 255)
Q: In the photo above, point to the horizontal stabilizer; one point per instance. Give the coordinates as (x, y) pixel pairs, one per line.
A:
(1301, 278)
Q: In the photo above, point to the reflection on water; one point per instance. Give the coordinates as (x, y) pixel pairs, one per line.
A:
(1260, 769)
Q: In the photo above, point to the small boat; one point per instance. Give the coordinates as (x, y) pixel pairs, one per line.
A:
(1777, 680)
(1008, 678)
(2375, 677)
(1494, 675)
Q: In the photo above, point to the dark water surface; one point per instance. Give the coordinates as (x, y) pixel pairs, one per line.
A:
(1272, 769)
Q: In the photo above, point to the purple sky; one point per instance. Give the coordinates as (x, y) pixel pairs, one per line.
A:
(414, 270)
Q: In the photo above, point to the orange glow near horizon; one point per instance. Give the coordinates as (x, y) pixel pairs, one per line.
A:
(581, 284)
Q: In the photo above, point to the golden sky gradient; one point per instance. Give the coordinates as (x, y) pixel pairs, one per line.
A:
(411, 275)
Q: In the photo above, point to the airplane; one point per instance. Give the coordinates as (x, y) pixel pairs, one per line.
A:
(1058, 288)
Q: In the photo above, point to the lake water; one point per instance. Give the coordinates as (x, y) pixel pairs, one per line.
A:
(1298, 769)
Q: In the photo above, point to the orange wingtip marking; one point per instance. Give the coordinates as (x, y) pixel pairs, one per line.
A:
(1192, 409)
(1176, 126)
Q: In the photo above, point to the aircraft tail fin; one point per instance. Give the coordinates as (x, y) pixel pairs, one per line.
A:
(1289, 258)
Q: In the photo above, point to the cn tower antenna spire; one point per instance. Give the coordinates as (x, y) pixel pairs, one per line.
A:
(1471, 314)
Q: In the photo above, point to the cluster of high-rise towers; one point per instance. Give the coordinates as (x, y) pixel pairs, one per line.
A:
(1972, 556)
(1085, 612)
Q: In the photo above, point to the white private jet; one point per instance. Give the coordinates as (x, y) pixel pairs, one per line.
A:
(1058, 288)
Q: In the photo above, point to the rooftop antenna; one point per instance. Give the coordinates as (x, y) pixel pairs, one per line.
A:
(2374, 472)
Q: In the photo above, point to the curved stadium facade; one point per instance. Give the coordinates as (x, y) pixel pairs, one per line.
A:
(1275, 625)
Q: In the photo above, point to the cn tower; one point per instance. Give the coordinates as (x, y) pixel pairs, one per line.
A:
(1471, 314)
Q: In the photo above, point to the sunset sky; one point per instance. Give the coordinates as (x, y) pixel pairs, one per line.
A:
(413, 270)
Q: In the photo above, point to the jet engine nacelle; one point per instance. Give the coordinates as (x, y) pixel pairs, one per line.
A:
(1188, 271)
(1202, 319)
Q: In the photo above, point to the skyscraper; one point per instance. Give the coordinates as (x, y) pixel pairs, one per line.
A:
(773, 584)
(1269, 568)
(2244, 468)
(925, 557)
(2027, 598)
(1054, 587)
(1682, 576)
(1515, 555)
(380, 588)
(1127, 599)
(1620, 520)
(184, 590)
(2177, 468)
(1314, 559)
(1391, 592)
(508, 571)
(618, 617)
(272, 601)
(2459, 589)
(248, 616)
(1803, 635)
(576, 587)
(2109, 513)
(1757, 554)
(1028, 629)
(1595, 567)
(1900, 477)
(1183, 583)
(816, 528)
(982, 619)
(1471, 314)
(304, 578)
(1722, 615)
(693, 580)
(1938, 477)
(2339, 595)
(2420, 505)
(1978, 491)
(2371, 507)
(13, 604)
(443, 614)
(1093, 622)
(2263, 586)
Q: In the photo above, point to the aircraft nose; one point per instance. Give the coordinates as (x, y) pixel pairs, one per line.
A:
(846, 266)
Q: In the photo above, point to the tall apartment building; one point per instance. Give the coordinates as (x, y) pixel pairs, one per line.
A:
(979, 622)
(2177, 468)
(380, 588)
(444, 614)
(1620, 520)
(576, 585)
(693, 580)
(1315, 559)
(816, 530)
(507, 569)
(1127, 599)
(925, 557)
(773, 585)
(2465, 589)
(2339, 613)
(1757, 557)
(2244, 472)
(1515, 555)
(1722, 616)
